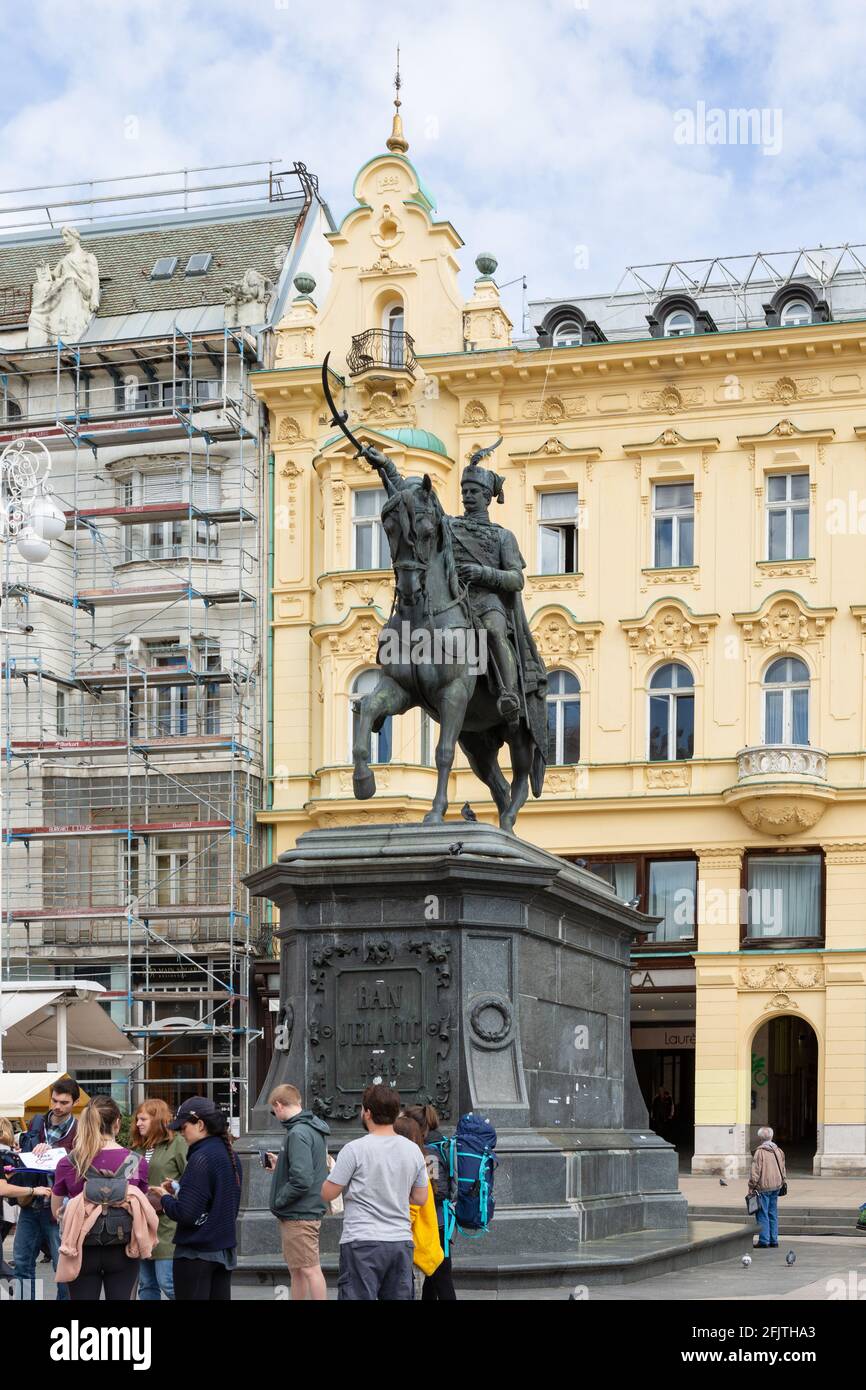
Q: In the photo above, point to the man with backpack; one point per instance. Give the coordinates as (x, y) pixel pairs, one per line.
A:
(299, 1170)
(56, 1129)
(379, 1176)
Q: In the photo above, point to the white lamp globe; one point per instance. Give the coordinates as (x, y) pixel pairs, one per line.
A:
(31, 546)
(46, 517)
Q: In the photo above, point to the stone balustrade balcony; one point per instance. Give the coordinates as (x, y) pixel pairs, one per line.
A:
(781, 788)
(789, 760)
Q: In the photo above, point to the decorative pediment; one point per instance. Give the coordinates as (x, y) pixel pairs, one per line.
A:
(784, 429)
(782, 620)
(559, 636)
(355, 636)
(669, 439)
(553, 447)
(669, 628)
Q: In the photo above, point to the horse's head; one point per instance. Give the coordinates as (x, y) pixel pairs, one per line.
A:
(412, 521)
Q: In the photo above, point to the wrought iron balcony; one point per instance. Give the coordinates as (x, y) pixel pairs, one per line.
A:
(779, 761)
(378, 349)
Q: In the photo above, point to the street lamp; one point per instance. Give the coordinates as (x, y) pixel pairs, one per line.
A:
(30, 516)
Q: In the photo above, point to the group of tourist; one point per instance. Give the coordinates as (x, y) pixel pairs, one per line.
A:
(390, 1186)
(159, 1218)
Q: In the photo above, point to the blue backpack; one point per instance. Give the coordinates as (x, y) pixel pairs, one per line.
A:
(469, 1161)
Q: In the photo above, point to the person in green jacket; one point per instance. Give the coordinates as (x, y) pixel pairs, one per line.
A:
(166, 1159)
(299, 1170)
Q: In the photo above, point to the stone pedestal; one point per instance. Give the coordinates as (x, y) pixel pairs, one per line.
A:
(474, 971)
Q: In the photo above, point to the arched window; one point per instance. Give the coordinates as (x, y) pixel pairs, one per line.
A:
(568, 334)
(671, 714)
(795, 312)
(393, 323)
(679, 324)
(380, 743)
(786, 701)
(563, 717)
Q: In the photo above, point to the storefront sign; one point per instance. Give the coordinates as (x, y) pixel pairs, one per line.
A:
(663, 1039)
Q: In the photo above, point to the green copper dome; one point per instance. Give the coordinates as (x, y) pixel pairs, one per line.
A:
(410, 438)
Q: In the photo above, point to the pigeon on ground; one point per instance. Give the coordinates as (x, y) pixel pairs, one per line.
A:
(467, 812)
(746, 1261)
(790, 1257)
(722, 1182)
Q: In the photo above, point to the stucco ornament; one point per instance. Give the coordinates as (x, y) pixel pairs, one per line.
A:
(64, 299)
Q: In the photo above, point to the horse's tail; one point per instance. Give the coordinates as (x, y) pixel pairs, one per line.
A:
(536, 771)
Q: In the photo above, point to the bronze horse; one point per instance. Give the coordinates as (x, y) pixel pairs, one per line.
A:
(432, 605)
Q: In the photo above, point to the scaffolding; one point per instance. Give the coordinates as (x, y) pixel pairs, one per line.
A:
(131, 700)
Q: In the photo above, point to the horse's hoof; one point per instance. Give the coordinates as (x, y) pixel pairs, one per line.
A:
(363, 785)
(433, 818)
(507, 823)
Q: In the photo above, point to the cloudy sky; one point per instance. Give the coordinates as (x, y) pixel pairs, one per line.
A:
(551, 133)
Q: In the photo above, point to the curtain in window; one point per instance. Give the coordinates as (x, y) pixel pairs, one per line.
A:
(785, 895)
(672, 896)
(800, 715)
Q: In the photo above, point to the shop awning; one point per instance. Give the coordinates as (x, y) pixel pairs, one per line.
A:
(59, 1026)
(19, 1087)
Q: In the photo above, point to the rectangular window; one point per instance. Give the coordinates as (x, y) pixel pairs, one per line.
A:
(61, 714)
(369, 543)
(130, 869)
(673, 525)
(621, 874)
(788, 516)
(171, 860)
(784, 896)
(209, 660)
(671, 892)
(557, 532)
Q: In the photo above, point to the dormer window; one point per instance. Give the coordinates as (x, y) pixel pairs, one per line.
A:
(679, 324)
(679, 316)
(568, 334)
(164, 268)
(567, 326)
(794, 306)
(795, 312)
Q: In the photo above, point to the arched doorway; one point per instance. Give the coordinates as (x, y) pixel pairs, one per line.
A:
(784, 1088)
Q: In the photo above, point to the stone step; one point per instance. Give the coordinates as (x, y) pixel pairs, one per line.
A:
(795, 1221)
(614, 1260)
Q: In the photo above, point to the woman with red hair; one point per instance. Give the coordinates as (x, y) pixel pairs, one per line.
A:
(165, 1152)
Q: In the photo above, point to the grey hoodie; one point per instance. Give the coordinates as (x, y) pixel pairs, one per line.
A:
(302, 1167)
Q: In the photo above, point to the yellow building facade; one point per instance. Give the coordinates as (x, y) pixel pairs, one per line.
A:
(689, 510)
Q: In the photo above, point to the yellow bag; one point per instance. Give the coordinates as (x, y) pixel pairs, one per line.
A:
(428, 1254)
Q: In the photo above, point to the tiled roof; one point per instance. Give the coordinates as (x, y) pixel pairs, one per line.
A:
(126, 259)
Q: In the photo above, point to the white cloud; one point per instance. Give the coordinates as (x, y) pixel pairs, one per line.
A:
(539, 127)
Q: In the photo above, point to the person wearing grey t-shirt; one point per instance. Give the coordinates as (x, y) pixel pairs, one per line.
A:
(378, 1175)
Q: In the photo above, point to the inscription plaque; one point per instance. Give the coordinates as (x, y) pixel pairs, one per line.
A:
(380, 1028)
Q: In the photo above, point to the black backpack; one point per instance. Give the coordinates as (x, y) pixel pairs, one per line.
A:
(113, 1226)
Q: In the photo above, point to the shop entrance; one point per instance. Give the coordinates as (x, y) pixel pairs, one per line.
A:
(667, 1083)
(784, 1089)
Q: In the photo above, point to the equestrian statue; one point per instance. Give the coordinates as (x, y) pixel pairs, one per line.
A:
(456, 579)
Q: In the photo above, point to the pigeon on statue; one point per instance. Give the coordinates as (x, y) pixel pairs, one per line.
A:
(467, 812)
